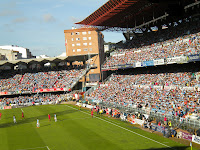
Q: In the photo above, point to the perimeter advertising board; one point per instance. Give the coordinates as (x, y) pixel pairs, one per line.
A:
(173, 60)
(196, 139)
(186, 136)
(138, 64)
(159, 62)
(147, 63)
(192, 58)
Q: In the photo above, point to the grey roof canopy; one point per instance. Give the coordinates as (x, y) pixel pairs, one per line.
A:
(50, 59)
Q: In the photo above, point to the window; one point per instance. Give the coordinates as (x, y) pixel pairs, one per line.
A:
(78, 39)
(85, 44)
(73, 44)
(73, 50)
(85, 49)
(72, 33)
(89, 32)
(72, 39)
(89, 38)
(78, 44)
(78, 50)
(77, 33)
(90, 49)
(84, 33)
(90, 43)
(84, 38)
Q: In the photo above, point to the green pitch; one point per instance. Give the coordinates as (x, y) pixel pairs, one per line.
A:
(74, 130)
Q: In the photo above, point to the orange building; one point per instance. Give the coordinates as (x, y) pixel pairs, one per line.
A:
(86, 41)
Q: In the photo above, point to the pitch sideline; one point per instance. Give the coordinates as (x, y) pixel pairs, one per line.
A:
(125, 129)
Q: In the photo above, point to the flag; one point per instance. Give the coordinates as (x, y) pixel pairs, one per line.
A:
(66, 42)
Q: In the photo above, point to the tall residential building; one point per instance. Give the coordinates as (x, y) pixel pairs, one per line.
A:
(86, 41)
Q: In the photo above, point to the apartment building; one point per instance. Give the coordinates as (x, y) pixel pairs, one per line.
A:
(86, 41)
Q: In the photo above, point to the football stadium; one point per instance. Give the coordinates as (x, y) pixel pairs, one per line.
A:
(142, 95)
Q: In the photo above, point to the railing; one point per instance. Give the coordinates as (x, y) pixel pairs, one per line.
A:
(84, 72)
(184, 124)
(93, 88)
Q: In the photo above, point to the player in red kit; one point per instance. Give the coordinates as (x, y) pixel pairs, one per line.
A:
(0, 115)
(49, 117)
(22, 115)
(92, 113)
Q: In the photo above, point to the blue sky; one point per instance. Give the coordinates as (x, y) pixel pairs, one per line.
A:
(39, 24)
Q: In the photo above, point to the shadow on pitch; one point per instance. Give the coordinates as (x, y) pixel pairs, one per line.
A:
(169, 148)
(33, 119)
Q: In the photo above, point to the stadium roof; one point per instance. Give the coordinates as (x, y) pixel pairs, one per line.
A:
(131, 13)
(51, 59)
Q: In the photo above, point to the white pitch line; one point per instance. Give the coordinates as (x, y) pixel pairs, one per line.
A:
(126, 129)
(22, 110)
(48, 148)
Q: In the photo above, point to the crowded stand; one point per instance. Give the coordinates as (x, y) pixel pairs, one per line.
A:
(33, 82)
(181, 40)
(143, 91)
(30, 100)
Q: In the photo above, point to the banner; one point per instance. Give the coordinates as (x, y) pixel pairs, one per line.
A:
(147, 63)
(158, 62)
(172, 60)
(196, 139)
(182, 60)
(189, 88)
(50, 90)
(114, 54)
(192, 58)
(3, 93)
(103, 85)
(154, 127)
(186, 136)
(160, 129)
(138, 64)
(7, 107)
(138, 121)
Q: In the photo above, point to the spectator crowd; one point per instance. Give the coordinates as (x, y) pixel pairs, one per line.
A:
(31, 82)
(182, 40)
(159, 92)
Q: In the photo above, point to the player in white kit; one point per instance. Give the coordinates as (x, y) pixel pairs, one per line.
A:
(55, 118)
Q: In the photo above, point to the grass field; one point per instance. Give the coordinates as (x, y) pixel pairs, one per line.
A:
(74, 130)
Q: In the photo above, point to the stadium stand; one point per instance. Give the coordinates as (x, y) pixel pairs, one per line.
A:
(181, 40)
(32, 82)
(173, 92)
(141, 91)
(32, 100)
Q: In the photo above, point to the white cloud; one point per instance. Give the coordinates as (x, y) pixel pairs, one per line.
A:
(48, 18)
(20, 20)
(8, 8)
(9, 12)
